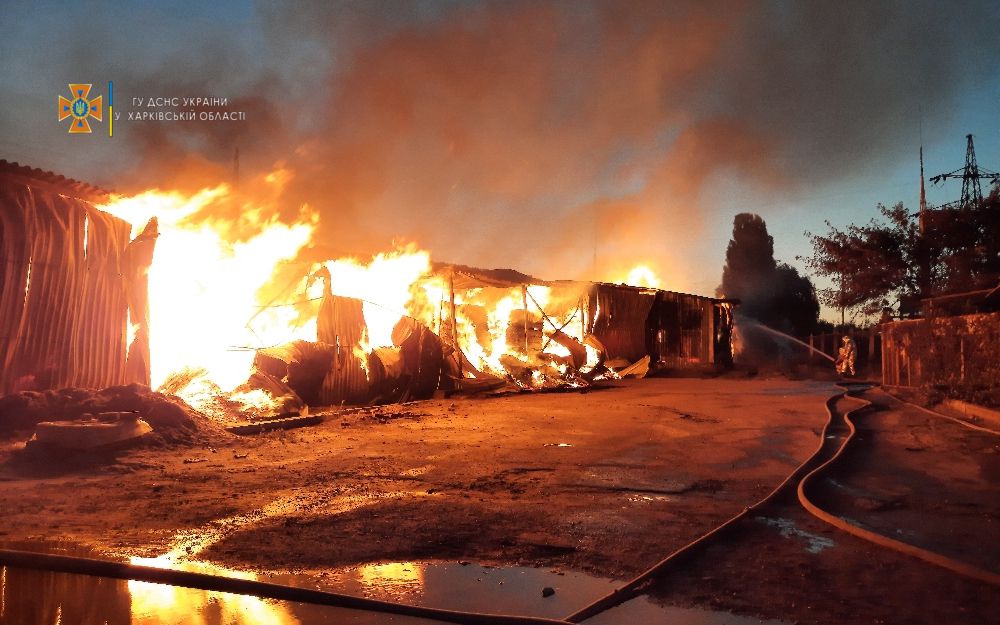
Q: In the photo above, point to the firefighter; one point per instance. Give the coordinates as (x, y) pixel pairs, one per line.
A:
(847, 356)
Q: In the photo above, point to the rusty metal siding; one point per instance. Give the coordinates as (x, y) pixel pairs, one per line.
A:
(341, 325)
(103, 306)
(64, 324)
(43, 353)
(15, 256)
(682, 329)
(619, 322)
(135, 263)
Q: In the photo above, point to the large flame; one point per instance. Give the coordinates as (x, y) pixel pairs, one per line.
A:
(642, 275)
(221, 288)
(383, 286)
(204, 310)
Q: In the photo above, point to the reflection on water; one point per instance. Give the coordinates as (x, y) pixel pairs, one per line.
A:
(189, 543)
(395, 579)
(159, 604)
(41, 598)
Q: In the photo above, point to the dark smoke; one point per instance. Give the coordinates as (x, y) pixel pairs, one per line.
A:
(567, 139)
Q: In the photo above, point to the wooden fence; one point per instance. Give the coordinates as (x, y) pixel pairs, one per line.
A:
(869, 342)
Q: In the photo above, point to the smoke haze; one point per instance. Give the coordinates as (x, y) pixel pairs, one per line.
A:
(565, 139)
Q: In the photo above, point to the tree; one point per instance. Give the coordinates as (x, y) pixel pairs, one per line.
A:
(887, 264)
(871, 266)
(969, 238)
(771, 293)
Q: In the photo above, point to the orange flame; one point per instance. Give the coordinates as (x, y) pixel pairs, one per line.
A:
(208, 312)
(203, 309)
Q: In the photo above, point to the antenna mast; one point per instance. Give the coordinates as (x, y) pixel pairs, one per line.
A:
(923, 194)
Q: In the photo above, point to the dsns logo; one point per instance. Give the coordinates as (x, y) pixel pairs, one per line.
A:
(79, 108)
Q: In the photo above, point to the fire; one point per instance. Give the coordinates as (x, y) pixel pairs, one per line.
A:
(223, 287)
(642, 275)
(383, 286)
(202, 286)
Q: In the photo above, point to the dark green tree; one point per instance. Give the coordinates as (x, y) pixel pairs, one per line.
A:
(771, 293)
(891, 263)
(870, 266)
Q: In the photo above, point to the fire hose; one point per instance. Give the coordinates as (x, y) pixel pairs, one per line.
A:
(201, 581)
(635, 587)
(928, 556)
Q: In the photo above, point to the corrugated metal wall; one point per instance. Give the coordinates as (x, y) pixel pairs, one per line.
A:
(341, 325)
(619, 318)
(674, 329)
(682, 329)
(63, 305)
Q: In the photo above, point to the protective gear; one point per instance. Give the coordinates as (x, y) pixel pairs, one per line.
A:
(847, 355)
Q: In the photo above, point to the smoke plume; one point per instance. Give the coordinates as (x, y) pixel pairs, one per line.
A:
(566, 139)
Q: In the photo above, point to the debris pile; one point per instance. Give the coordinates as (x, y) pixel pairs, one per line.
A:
(169, 416)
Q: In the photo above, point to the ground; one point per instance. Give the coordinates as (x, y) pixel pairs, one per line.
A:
(605, 481)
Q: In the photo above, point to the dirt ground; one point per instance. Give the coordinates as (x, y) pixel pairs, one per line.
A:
(604, 481)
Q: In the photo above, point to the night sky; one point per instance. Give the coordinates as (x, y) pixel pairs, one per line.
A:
(564, 139)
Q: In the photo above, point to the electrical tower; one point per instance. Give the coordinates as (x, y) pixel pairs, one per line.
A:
(971, 174)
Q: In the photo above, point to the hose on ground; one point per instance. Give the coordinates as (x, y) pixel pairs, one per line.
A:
(928, 556)
(202, 581)
(634, 588)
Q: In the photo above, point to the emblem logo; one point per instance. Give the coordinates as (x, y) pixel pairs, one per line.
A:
(79, 108)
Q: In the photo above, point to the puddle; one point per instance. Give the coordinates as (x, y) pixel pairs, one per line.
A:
(56, 598)
(787, 529)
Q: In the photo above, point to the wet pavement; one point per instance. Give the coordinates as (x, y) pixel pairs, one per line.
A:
(43, 598)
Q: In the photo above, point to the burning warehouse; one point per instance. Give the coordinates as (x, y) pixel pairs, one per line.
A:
(396, 312)
(75, 288)
(470, 329)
